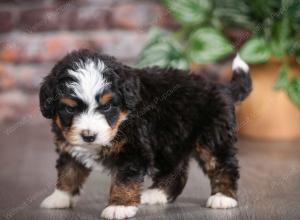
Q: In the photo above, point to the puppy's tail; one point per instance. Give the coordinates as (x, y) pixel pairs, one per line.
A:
(241, 84)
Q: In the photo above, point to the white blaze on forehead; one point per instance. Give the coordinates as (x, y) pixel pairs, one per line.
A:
(90, 80)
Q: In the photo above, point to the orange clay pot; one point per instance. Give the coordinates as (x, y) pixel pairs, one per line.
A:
(268, 114)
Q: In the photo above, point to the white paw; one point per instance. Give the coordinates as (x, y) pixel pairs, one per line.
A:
(153, 196)
(220, 201)
(119, 212)
(57, 200)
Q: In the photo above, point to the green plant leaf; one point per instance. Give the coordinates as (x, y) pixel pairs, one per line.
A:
(235, 13)
(293, 11)
(255, 50)
(281, 41)
(208, 45)
(298, 56)
(190, 11)
(162, 50)
(293, 91)
(266, 8)
(296, 50)
(282, 79)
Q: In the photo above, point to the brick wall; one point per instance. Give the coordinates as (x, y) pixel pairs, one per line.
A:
(34, 34)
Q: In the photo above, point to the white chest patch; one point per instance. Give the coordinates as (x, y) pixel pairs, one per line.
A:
(86, 157)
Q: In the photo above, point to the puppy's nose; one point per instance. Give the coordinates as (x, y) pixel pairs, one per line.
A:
(88, 136)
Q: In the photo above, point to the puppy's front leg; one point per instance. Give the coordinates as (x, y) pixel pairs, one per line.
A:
(71, 176)
(124, 196)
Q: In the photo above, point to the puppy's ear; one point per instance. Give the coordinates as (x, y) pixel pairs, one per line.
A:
(131, 91)
(128, 84)
(48, 97)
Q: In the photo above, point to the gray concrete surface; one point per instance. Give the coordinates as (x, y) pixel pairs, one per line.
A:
(269, 187)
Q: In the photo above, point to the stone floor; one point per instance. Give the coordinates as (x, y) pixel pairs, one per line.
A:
(269, 185)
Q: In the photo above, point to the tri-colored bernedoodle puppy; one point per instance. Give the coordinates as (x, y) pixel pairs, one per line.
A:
(137, 122)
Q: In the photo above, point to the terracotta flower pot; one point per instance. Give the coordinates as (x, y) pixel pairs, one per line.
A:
(266, 113)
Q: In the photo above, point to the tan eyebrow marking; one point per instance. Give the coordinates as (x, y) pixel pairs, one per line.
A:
(58, 122)
(105, 98)
(69, 102)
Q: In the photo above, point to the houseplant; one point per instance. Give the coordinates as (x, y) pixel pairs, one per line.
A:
(272, 50)
(199, 39)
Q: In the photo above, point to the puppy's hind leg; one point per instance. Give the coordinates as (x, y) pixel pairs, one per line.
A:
(222, 169)
(166, 186)
(71, 176)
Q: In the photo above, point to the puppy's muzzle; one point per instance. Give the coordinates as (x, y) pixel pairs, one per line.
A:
(88, 136)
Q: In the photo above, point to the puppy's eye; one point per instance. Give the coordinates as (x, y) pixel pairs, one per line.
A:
(69, 109)
(105, 108)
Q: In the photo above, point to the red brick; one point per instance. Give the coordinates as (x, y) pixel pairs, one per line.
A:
(22, 2)
(6, 21)
(24, 48)
(24, 77)
(6, 80)
(36, 48)
(97, 3)
(125, 45)
(139, 16)
(16, 105)
(56, 46)
(40, 19)
(88, 18)
(8, 50)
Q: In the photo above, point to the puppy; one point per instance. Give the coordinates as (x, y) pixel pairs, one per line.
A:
(137, 122)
